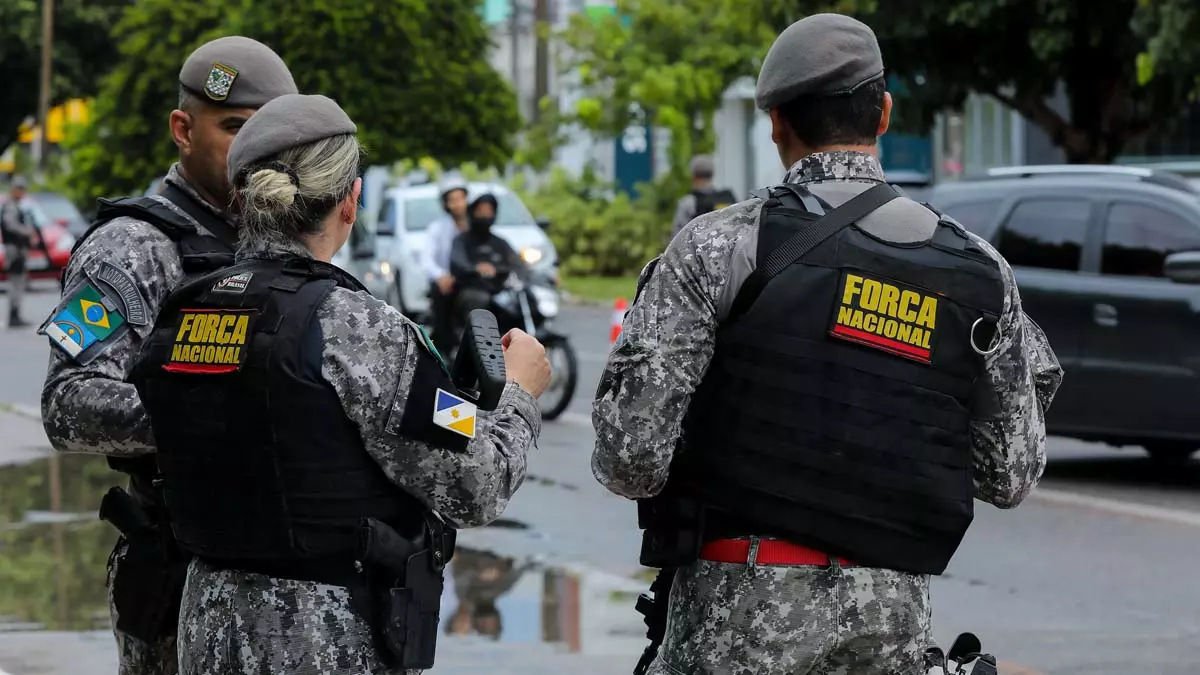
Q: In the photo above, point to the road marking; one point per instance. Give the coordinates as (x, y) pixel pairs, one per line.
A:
(1124, 508)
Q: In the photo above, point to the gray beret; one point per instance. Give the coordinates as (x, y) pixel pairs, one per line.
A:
(237, 72)
(702, 166)
(820, 55)
(286, 122)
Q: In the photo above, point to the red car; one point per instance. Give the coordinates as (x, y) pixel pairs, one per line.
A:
(58, 243)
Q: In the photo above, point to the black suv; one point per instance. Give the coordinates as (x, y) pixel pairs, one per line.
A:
(1108, 263)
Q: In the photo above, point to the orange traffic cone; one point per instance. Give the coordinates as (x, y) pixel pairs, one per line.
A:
(618, 316)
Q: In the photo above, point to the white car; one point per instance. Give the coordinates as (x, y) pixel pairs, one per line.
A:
(401, 236)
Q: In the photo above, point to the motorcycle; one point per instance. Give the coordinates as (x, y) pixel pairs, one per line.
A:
(531, 304)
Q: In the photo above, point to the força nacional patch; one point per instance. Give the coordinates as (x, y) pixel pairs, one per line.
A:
(211, 341)
(887, 315)
(454, 413)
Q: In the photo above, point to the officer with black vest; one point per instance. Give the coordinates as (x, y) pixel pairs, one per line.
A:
(809, 391)
(137, 252)
(704, 196)
(315, 455)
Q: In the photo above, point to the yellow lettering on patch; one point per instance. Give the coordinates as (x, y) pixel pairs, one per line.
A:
(886, 315)
(853, 282)
(210, 342)
(887, 303)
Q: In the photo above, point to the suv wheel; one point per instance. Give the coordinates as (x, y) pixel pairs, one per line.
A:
(1170, 452)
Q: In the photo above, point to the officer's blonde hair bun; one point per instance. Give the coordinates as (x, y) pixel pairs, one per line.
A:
(269, 189)
(290, 194)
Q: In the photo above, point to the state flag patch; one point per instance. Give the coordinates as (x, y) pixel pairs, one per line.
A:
(454, 413)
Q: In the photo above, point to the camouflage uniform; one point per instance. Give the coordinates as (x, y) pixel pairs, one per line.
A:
(92, 408)
(745, 618)
(238, 622)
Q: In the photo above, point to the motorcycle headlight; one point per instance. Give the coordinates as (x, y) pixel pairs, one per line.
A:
(532, 255)
(547, 300)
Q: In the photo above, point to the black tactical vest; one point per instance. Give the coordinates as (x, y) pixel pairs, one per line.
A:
(199, 253)
(261, 468)
(835, 412)
(708, 201)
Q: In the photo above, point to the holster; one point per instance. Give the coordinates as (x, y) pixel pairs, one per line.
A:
(148, 585)
(673, 530)
(404, 581)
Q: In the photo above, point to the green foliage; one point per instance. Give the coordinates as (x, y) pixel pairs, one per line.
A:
(413, 74)
(1019, 51)
(128, 143)
(1171, 28)
(676, 57)
(82, 51)
(673, 58)
(55, 574)
(601, 289)
(596, 234)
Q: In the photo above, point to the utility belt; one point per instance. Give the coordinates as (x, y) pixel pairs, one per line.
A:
(148, 586)
(395, 584)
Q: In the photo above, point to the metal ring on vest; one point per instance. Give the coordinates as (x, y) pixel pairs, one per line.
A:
(995, 341)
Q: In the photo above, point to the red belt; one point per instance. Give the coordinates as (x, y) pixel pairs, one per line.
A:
(770, 552)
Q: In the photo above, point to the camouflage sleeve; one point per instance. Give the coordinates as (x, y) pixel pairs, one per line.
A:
(370, 358)
(1023, 374)
(91, 408)
(664, 350)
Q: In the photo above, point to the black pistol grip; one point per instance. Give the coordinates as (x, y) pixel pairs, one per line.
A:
(485, 366)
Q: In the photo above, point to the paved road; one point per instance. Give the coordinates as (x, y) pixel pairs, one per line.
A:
(1095, 574)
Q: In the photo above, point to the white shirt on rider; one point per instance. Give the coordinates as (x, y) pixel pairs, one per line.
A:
(442, 232)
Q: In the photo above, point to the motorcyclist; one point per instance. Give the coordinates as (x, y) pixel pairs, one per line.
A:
(442, 231)
(480, 261)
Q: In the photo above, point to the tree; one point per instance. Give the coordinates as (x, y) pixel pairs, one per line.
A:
(412, 74)
(82, 52)
(672, 59)
(127, 144)
(678, 57)
(1021, 52)
(1171, 28)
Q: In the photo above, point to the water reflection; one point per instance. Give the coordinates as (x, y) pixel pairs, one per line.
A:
(52, 565)
(498, 598)
(54, 553)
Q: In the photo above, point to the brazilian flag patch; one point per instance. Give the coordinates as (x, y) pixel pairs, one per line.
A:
(84, 323)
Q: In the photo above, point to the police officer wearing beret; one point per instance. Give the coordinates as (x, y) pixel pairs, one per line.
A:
(704, 197)
(810, 389)
(138, 251)
(302, 430)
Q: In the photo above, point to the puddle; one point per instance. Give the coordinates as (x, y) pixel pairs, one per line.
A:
(54, 550)
(512, 601)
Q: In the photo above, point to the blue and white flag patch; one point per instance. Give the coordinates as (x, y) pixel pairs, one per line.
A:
(454, 413)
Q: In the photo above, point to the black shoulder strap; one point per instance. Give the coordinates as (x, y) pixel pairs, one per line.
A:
(806, 240)
(207, 219)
